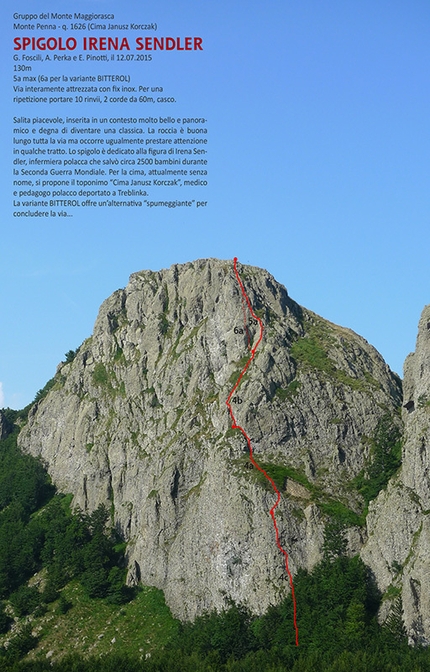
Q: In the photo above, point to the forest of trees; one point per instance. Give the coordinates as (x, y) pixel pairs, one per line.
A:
(38, 530)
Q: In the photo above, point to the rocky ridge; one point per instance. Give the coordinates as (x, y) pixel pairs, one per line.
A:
(398, 524)
(138, 421)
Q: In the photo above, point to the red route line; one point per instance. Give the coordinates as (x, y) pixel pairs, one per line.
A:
(248, 440)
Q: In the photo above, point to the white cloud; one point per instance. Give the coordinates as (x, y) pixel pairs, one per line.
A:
(1, 396)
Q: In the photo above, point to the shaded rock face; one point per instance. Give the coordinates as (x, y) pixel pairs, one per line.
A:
(6, 427)
(398, 524)
(138, 422)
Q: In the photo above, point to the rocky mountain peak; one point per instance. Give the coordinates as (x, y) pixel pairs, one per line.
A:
(138, 421)
(416, 382)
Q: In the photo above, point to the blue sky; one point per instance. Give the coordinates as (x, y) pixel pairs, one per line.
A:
(318, 113)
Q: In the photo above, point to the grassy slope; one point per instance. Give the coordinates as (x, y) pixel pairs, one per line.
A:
(143, 625)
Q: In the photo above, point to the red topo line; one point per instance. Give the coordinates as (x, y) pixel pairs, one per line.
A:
(234, 425)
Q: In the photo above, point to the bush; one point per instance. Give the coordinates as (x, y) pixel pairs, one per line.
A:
(41, 394)
(64, 604)
(50, 593)
(5, 620)
(21, 644)
(25, 600)
(70, 355)
(100, 375)
(40, 611)
(386, 458)
(228, 634)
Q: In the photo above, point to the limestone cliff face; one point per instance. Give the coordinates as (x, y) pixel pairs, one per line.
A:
(398, 524)
(138, 421)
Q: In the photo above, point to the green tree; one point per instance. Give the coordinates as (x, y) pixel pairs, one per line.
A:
(21, 644)
(386, 458)
(355, 625)
(394, 624)
(25, 600)
(70, 355)
(64, 604)
(5, 620)
(227, 633)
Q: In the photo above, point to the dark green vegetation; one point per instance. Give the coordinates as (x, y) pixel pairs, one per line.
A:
(385, 460)
(289, 392)
(70, 355)
(38, 531)
(311, 352)
(331, 507)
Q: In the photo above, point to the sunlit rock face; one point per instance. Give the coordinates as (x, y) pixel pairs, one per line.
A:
(398, 524)
(138, 421)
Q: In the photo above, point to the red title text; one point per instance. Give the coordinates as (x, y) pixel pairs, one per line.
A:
(108, 44)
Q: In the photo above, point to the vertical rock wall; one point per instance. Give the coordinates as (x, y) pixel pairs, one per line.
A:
(138, 422)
